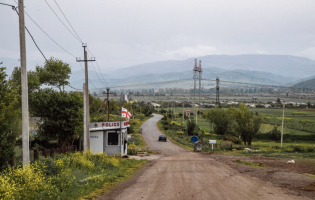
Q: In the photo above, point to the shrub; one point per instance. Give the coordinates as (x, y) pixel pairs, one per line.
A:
(275, 134)
(310, 149)
(226, 145)
(233, 139)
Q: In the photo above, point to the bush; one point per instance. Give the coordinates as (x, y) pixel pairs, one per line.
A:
(310, 149)
(275, 134)
(233, 139)
(226, 145)
(63, 177)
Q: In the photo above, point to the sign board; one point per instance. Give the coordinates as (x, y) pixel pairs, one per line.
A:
(108, 125)
(187, 113)
(212, 142)
(194, 139)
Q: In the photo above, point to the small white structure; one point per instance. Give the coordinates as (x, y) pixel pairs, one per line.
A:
(109, 137)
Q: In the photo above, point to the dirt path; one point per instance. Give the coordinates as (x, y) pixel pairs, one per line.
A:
(182, 174)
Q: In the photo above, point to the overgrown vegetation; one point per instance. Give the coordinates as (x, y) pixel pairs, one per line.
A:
(10, 114)
(70, 176)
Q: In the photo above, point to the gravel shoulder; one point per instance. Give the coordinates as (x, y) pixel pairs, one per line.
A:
(177, 173)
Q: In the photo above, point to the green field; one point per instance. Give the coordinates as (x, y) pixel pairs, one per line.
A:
(299, 133)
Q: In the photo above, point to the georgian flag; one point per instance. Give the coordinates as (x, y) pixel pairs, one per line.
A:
(125, 113)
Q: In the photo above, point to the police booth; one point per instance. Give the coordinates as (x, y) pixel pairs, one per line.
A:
(109, 137)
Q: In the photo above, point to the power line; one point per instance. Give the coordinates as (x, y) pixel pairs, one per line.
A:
(13, 7)
(61, 21)
(89, 79)
(76, 37)
(47, 34)
(68, 21)
(183, 80)
(97, 74)
(98, 68)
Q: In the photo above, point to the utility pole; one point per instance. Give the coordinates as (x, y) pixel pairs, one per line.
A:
(175, 113)
(86, 102)
(183, 111)
(282, 124)
(85, 141)
(218, 92)
(24, 87)
(107, 104)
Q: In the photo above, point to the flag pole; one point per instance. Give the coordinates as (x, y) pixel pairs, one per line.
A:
(120, 127)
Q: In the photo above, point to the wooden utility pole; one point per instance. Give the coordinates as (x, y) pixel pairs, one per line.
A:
(24, 87)
(282, 124)
(107, 106)
(183, 112)
(86, 101)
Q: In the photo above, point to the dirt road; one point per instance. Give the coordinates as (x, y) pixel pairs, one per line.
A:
(182, 174)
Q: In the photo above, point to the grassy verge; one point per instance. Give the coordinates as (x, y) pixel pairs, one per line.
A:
(259, 165)
(136, 136)
(177, 140)
(71, 176)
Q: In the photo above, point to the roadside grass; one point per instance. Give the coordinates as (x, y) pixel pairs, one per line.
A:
(310, 175)
(107, 187)
(136, 136)
(259, 165)
(66, 176)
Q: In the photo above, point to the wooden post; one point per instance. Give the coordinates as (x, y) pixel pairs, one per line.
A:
(35, 154)
(45, 153)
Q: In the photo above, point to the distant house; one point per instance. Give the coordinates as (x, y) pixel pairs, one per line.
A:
(155, 105)
(252, 106)
(267, 105)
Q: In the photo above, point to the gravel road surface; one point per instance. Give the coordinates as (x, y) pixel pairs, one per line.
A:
(181, 174)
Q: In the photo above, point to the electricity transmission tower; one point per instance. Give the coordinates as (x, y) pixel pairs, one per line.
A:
(195, 70)
(200, 76)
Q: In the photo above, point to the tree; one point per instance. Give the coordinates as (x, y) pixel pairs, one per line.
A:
(54, 73)
(191, 127)
(32, 79)
(10, 115)
(221, 120)
(275, 133)
(247, 123)
(61, 114)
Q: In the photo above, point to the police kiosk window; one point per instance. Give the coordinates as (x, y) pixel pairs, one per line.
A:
(112, 138)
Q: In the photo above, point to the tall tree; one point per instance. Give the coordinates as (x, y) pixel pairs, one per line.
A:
(61, 114)
(248, 123)
(54, 73)
(10, 118)
(221, 119)
(32, 79)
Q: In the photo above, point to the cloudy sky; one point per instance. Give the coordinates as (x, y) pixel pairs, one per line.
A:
(123, 33)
